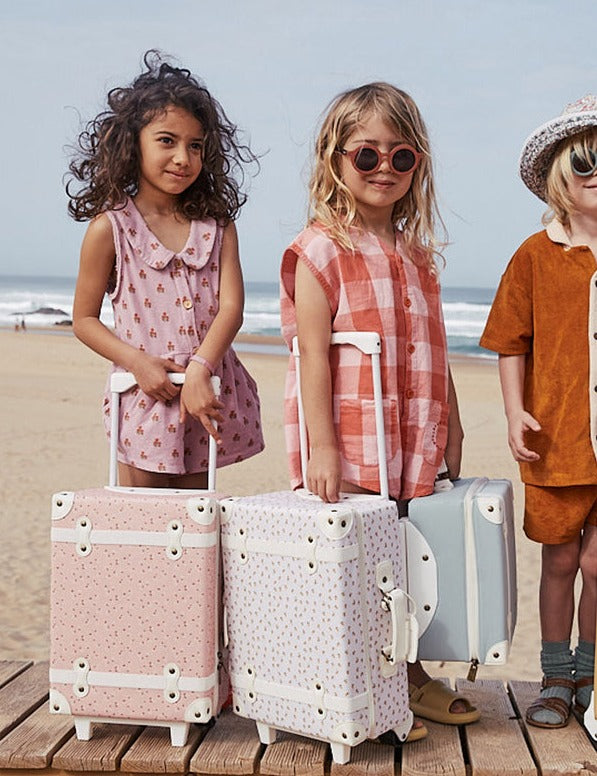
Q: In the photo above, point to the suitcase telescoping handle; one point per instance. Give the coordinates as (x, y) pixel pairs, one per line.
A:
(124, 381)
(368, 342)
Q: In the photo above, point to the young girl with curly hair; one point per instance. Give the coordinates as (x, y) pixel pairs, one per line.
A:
(367, 261)
(159, 175)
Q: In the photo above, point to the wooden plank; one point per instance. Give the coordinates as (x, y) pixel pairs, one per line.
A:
(294, 756)
(232, 747)
(367, 759)
(32, 743)
(440, 754)
(11, 668)
(496, 744)
(152, 752)
(566, 751)
(22, 695)
(103, 752)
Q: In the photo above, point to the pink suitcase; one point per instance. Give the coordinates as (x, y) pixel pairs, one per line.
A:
(319, 625)
(135, 603)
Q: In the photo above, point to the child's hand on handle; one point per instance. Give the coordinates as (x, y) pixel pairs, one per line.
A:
(198, 400)
(151, 373)
(324, 473)
(518, 424)
(453, 458)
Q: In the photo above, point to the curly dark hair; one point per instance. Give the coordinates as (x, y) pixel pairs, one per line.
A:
(106, 160)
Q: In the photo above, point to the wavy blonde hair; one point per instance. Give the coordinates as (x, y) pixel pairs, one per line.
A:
(560, 174)
(332, 204)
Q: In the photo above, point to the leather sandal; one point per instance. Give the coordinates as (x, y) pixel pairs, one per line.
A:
(558, 705)
(585, 681)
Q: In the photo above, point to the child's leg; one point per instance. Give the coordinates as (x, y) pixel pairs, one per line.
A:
(587, 608)
(131, 477)
(559, 567)
(195, 481)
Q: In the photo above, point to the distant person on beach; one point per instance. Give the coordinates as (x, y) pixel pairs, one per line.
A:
(368, 261)
(23, 326)
(159, 176)
(543, 324)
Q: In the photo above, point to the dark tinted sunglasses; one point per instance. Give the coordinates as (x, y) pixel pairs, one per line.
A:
(584, 164)
(403, 158)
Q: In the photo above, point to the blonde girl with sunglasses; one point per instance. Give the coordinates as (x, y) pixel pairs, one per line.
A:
(369, 261)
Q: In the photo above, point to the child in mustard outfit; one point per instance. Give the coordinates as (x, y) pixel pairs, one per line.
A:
(543, 324)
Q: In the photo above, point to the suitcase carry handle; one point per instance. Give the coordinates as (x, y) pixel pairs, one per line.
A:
(405, 628)
(368, 342)
(124, 381)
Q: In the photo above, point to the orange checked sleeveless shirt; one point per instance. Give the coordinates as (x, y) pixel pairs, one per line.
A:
(374, 289)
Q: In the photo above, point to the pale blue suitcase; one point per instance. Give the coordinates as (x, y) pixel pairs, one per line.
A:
(462, 571)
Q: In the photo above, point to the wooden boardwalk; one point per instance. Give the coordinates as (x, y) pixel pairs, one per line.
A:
(33, 741)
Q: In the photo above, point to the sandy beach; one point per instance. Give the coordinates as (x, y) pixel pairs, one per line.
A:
(52, 440)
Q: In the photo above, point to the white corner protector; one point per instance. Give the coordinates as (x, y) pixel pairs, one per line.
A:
(202, 509)
(199, 711)
(491, 509)
(497, 654)
(62, 504)
(58, 703)
(335, 522)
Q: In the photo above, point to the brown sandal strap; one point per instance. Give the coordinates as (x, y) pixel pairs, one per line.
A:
(584, 681)
(558, 681)
(558, 705)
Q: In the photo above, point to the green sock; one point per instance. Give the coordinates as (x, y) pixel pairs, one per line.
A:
(556, 662)
(584, 658)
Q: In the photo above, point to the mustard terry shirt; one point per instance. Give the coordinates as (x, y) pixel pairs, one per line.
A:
(546, 308)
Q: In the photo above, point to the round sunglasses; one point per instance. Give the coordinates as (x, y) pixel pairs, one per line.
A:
(366, 159)
(584, 165)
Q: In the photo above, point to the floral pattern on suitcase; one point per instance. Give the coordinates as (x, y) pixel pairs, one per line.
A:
(127, 614)
(316, 631)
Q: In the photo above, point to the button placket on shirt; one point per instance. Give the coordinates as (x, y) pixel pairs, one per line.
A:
(187, 305)
(592, 333)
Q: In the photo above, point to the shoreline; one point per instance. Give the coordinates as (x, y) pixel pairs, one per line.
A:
(246, 342)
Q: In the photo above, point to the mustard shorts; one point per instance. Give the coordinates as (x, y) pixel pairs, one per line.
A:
(558, 515)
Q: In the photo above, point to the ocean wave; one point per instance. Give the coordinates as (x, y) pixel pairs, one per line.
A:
(464, 318)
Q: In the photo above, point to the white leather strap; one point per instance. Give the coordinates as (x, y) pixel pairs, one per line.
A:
(135, 538)
(134, 681)
(316, 698)
(291, 550)
(471, 569)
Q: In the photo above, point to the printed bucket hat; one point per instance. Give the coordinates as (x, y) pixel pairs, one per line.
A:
(540, 147)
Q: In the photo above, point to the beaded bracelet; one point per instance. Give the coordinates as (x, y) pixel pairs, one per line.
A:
(200, 360)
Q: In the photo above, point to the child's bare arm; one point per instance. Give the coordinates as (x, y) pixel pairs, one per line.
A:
(453, 454)
(314, 326)
(197, 397)
(96, 265)
(512, 369)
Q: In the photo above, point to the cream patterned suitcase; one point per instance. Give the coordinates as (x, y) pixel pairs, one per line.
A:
(317, 617)
(135, 598)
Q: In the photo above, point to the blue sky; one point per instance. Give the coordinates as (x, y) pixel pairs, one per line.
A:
(485, 74)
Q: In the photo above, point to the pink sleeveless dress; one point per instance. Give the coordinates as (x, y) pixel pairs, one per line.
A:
(164, 303)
